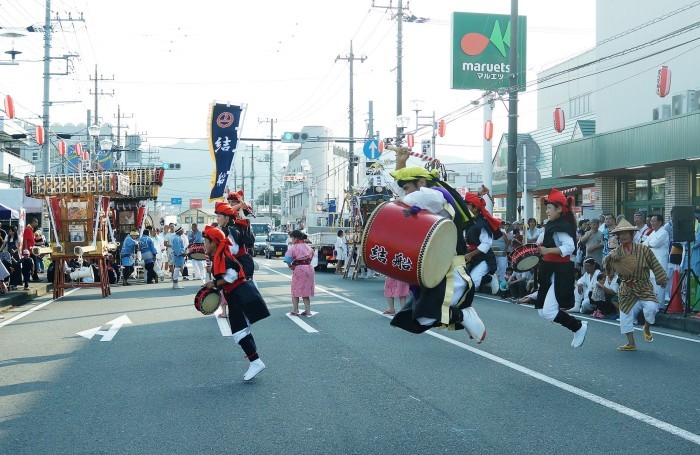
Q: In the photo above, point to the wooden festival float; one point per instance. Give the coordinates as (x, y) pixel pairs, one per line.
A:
(79, 207)
(130, 212)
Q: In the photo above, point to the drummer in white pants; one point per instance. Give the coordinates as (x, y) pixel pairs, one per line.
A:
(480, 258)
(194, 238)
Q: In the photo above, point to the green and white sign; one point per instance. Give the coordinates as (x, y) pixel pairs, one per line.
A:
(481, 51)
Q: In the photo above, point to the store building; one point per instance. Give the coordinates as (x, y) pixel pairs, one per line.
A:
(624, 147)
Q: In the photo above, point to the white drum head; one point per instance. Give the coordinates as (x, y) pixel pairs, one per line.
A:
(437, 252)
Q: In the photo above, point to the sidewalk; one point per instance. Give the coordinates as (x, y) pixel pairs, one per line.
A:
(19, 296)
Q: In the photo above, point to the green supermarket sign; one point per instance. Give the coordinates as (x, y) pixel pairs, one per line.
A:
(481, 51)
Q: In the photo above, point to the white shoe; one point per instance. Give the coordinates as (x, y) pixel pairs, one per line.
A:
(580, 335)
(256, 366)
(177, 286)
(473, 325)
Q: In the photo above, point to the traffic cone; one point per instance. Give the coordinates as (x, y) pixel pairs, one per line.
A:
(676, 305)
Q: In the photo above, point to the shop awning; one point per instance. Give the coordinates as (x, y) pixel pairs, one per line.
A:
(7, 213)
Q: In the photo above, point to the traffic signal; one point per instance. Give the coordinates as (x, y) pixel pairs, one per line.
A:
(171, 166)
(290, 136)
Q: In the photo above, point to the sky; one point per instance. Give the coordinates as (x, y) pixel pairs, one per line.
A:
(166, 61)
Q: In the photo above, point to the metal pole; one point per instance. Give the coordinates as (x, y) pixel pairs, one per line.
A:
(351, 115)
(487, 156)
(512, 185)
(252, 174)
(47, 78)
(432, 146)
(524, 196)
(399, 70)
(272, 132)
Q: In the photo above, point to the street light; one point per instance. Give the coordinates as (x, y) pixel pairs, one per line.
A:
(94, 133)
(106, 144)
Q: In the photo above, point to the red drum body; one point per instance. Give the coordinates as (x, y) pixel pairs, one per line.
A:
(206, 301)
(525, 257)
(196, 252)
(414, 248)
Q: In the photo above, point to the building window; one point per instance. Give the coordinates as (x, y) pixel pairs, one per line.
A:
(200, 220)
(580, 105)
(188, 219)
(658, 187)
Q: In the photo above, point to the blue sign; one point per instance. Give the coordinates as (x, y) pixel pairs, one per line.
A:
(175, 201)
(371, 149)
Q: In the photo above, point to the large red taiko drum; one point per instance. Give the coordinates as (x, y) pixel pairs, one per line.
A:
(416, 248)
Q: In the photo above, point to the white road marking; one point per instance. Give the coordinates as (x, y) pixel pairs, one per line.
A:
(38, 307)
(107, 335)
(298, 321)
(660, 424)
(601, 321)
(224, 328)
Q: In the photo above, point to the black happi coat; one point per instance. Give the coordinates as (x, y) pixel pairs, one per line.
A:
(563, 271)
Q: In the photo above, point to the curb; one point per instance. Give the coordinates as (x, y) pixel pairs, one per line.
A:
(19, 298)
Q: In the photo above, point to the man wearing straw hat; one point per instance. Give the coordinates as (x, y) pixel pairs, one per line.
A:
(633, 263)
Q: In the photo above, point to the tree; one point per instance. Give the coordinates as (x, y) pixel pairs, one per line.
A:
(264, 198)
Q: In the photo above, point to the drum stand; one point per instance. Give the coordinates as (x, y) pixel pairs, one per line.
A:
(688, 273)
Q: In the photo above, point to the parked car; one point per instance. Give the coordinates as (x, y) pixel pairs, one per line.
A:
(260, 245)
(276, 244)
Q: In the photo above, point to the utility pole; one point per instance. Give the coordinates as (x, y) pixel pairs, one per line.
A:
(512, 172)
(351, 116)
(97, 94)
(119, 118)
(272, 136)
(252, 174)
(487, 150)
(400, 17)
(47, 81)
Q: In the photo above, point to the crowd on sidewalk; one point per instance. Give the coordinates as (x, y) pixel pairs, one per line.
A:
(597, 284)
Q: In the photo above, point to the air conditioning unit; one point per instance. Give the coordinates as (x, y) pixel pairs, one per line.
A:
(661, 112)
(683, 102)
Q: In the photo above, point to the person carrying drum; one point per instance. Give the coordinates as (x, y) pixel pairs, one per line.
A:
(245, 304)
(480, 259)
(236, 230)
(556, 273)
(196, 241)
(450, 302)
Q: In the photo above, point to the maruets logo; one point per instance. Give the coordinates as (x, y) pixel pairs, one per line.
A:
(475, 43)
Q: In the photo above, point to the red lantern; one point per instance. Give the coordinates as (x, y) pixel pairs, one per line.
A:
(441, 128)
(663, 81)
(79, 150)
(61, 148)
(410, 140)
(9, 107)
(559, 120)
(488, 130)
(39, 133)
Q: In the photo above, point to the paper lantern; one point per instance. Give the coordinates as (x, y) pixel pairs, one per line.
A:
(441, 128)
(410, 140)
(61, 148)
(559, 120)
(488, 130)
(39, 134)
(9, 107)
(79, 150)
(663, 81)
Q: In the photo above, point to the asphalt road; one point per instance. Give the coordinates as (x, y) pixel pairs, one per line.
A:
(342, 381)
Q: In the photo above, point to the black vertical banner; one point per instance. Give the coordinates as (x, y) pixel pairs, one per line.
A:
(223, 141)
